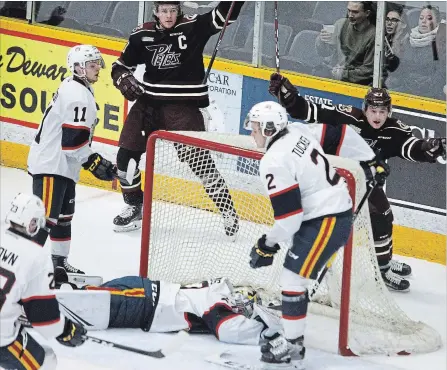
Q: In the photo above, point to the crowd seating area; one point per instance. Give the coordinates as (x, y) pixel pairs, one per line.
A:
(300, 24)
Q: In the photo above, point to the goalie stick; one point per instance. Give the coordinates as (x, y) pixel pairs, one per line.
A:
(172, 346)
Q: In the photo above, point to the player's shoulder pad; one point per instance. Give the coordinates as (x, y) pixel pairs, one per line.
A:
(147, 26)
(72, 91)
(397, 124)
(187, 18)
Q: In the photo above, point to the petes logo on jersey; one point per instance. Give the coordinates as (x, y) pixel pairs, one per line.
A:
(163, 57)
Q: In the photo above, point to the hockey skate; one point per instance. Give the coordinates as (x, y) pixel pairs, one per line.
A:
(395, 282)
(129, 219)
(231, 223)
(400, 268)
(66, 273)
(280, 353)
(61, 261)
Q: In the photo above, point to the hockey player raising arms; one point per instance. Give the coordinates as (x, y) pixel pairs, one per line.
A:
(169, 98)
(388, 136)
(311, 206)
(26, 281)
(61, 148)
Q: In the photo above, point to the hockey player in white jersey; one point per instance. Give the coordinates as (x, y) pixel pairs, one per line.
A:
(61, 148)
(312, 207)
(26, 282)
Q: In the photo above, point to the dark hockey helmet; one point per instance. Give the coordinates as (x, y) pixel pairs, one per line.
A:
(377, 97)
(158, 3)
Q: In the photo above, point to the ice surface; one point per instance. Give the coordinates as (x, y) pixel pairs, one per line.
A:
(99, 251)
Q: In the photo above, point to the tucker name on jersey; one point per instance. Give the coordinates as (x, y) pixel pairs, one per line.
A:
(301, 183)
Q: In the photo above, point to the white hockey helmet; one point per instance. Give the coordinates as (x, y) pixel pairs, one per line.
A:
(27, 211)
(80, 55)
(271, 116)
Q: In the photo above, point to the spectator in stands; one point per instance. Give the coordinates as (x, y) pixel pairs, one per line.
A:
(396, 35)
(351, 45)
(422, 67)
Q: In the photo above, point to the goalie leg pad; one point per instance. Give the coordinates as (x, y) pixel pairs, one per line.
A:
(90, 308)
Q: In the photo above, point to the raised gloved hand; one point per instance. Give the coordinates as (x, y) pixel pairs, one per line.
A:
(129, 87)
(262, 255)
(73, 334)
(281, 88)
(434, 148)
(100, 167)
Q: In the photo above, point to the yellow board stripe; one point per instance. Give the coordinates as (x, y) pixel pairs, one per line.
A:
(323, 247)
(314, 246)
(16, 352)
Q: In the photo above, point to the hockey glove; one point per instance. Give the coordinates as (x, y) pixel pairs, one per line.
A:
(281, 88)
(261, 255)
(100, 167)
(382, 170)
(73, 334)
(434, 148)
(129, 87)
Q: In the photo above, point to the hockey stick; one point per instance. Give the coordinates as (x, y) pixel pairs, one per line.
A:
(172, 346)
(216, 48)
(180, 337)
(276, 38)
(354, 217)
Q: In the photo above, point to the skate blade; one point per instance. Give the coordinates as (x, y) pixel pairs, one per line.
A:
(135, 225)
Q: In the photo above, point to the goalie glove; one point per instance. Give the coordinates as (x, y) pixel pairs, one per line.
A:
(73, 334)
(100, 167)
(433, 148)
(281, 88)
(262, 255)
(128, 86)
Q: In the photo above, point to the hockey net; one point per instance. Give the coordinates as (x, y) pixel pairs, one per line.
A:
(183, 241)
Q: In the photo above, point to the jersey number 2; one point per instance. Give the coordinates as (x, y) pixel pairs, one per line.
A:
(10, 280)
(331, 180)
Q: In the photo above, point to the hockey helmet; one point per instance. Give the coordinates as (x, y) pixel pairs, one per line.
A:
(28, 212)
(377, 97)
(271, 116)
(80, 55)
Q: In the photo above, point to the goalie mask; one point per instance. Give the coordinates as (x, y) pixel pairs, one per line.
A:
(27, 212)
(80, 55)
(271, 117)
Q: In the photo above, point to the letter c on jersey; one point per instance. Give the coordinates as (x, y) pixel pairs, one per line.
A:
(182, 45)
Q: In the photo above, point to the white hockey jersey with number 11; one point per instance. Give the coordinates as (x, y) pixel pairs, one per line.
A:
(62, 142)
(301, 183)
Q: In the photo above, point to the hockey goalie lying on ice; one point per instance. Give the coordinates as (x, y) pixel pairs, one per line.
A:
(158, 306)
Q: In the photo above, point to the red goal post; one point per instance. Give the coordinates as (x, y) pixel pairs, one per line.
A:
(183, 242)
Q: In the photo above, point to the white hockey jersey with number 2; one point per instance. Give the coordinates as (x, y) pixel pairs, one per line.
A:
(62, 142)
(301, 183)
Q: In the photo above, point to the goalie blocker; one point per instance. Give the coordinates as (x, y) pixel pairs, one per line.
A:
(159, 307)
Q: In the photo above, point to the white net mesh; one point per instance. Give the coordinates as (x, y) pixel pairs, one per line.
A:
(188, 244)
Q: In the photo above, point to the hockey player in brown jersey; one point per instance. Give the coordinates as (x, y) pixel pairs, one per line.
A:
(169, 98)
(387, 136)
